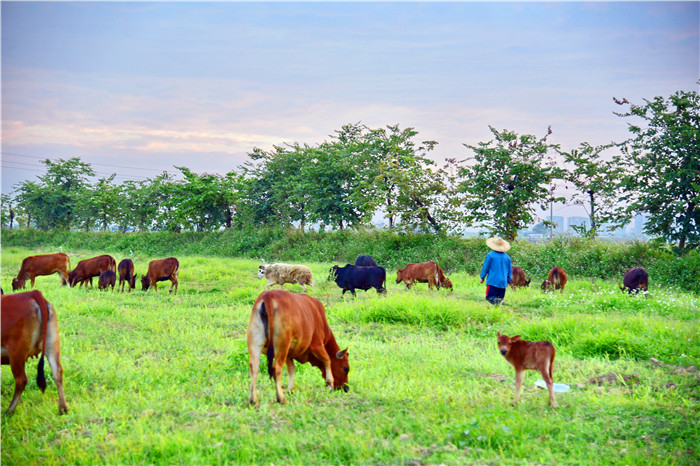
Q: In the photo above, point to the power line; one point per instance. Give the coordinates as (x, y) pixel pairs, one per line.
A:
(100, 164)
(36, 168)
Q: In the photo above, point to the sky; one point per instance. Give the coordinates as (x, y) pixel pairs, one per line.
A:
(137, 88)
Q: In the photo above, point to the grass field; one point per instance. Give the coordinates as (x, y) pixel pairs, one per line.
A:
(163, 379)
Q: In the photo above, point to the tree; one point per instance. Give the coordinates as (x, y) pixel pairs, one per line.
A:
(99, 204)
(597, 184)
(404, 180)
(8, 211)
(506, 178)
(663, 165)
(53, 203)
(206, 201)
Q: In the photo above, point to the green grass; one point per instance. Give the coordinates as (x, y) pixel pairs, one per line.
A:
(163, 379)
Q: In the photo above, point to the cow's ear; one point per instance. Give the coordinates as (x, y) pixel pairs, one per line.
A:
(499, 333)
(342, 354)
(515, 338)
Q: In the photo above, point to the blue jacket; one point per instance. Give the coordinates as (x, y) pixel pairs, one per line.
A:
(498, 268)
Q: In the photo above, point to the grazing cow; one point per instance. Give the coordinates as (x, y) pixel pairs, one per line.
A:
(30, 327)
(555, 280)
(107, 279)
(523, 354)
(287, 327)
(279, 274)
(126, 275)
(635, 279)
(44, 264)
(160, 270)
(365, 260)
(518, 277)
(88, 268)
(353, 277)
(423, 272)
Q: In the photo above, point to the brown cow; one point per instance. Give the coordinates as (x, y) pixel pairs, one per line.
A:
(423, 272)
(518, 277)
(160, 270)
(290, 326)
(556, 280)
(88, 268)
(44, 264)
(107, 279)
(636, 279)
(523, 354)
(30, 327)
(126, 274)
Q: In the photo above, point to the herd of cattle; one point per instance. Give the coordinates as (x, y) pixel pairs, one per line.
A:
(286, 326)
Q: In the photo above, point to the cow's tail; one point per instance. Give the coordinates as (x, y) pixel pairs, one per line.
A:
(43, 305)
(267, 325)
(437, 276)
(551, 362)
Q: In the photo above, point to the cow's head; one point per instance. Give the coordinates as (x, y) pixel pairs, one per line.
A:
(527, 282)
(340, 369)
(399, 275)
(505, 342)
(132, 283)
(72, 277)
(261, 270)
(18, 283)
(545, 285)
(145, 282)
(446, 283)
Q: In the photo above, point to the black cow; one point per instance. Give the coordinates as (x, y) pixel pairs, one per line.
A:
(635, 279)
(365, 260)
(353, 277)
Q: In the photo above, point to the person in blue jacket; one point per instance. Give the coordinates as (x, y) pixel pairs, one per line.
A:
(498, 268)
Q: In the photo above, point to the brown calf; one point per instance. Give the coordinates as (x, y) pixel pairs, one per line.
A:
(44, 264)
(518, 277)
(30, 327)
(423, 272)
(635, 280)
(523, 354)
(126, 274)
(556, 280)
(88, 268)
(160, 270)
(288, 327)
(107, 279)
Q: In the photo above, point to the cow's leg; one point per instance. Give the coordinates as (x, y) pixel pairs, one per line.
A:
(544, 370)
(53, 355)
(291, 369)
(281, 352)
(17, 365)
(32, 278)
(321, 354)
(519, 375)
(256, 342)
(304, 286)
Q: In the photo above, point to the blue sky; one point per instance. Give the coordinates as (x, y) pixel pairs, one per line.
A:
(150, 86)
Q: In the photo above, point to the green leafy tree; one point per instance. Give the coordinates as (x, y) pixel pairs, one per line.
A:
(597, 186)
(662, 159)
(504, 181)
(206, 202)
(403, 179)
(54, 202)
(99, 204)
(8, 210)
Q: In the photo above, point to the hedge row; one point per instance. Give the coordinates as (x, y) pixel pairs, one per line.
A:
(578, 256)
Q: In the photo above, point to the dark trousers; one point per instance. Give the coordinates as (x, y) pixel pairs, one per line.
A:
(495, 295)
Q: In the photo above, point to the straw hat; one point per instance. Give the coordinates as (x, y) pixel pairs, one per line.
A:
(498, 244)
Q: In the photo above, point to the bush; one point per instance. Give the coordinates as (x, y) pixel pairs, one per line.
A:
(578, 256)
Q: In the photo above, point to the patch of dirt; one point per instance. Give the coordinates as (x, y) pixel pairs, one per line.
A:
(612, 378)
(680, 370)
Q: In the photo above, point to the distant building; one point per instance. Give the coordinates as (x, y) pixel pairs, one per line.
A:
(559, 222)
(577, 221)
(639, 221)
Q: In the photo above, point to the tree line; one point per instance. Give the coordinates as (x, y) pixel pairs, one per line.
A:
(359, 172)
